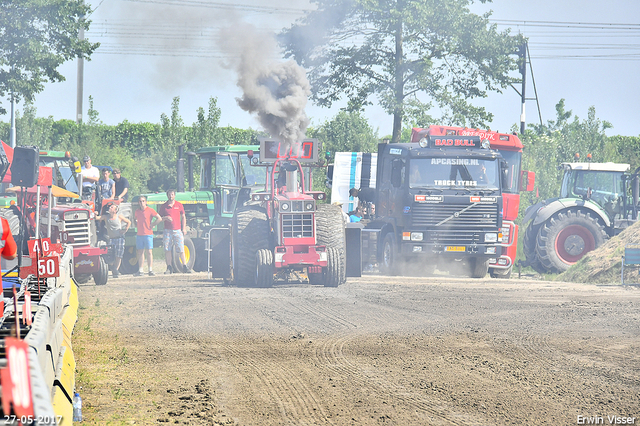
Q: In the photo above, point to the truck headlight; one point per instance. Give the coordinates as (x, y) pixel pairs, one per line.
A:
(284, 206)
(491, 237)
(490, 250)
(417, 236)
(308, 206)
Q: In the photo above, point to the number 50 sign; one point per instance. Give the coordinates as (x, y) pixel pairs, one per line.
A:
(48, 267)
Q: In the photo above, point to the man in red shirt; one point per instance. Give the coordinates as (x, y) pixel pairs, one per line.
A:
(146, 219)
(175, 225)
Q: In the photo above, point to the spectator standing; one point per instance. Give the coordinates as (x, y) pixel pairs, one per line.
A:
(146, 219)
(175, 225)
(345, 216)
(113, 222)
(364, 195)
(8, 246)
(106, 186)
(90, 174)
(122, 186)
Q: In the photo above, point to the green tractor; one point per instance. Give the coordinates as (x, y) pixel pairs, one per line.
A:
(226, 180)
(597, 201)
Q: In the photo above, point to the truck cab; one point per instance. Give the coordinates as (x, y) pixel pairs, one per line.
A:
(439, 204)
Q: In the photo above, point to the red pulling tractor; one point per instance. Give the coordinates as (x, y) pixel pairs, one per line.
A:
(282, 233)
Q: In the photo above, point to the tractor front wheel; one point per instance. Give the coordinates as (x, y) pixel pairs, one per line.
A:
(129, 263)
(102, 275)
(264, 268)
(189, 255)
(332, 273)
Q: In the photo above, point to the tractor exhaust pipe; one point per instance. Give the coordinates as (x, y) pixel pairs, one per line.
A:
(190, 156)
(180, 170)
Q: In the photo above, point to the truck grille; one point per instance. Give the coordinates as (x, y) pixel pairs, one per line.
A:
(479, 216)
(297, 225)
(79, 230)
(450, 237)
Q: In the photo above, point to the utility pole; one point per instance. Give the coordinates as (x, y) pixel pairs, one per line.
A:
(80, 78)
(12, 132)
(522, 53)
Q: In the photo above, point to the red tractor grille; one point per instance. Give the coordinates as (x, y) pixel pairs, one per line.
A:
(297, 225)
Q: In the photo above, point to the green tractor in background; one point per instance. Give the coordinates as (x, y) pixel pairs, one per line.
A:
(597, 201)
(226, 180)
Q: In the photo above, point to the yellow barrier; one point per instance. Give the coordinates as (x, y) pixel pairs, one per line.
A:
(51, 359)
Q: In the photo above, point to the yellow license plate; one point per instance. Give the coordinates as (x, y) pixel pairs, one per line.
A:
(455, 248)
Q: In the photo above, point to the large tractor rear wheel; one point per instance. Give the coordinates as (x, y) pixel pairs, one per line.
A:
(250, 233)
(13, 220)
(330, 233)
(529, 247)
(566, 238)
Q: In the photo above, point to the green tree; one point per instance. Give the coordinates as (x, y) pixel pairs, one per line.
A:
(204, 129)
(402, 51)
(347, 131)
(37, 36)
(558, 141)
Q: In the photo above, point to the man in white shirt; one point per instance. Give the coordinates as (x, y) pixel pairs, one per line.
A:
(90, 174)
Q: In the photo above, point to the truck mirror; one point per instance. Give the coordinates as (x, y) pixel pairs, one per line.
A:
(396, 173)
(527, 180)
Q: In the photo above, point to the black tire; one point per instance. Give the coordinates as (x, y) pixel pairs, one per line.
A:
(189, 255)
(479, 267)
(388, 255)
(501, 273)
(129, 264)
(82, 278)
(529, 247)
(102, 275)
(316, 279)
(565, 239)
(333, 273)
(13, 219)
(250, 233)
(200, 263)
(328, 223)
(264, 268)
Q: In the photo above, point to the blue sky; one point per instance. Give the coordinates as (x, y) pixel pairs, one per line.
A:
(587, 52)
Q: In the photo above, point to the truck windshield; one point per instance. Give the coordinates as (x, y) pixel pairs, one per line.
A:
(470, 173)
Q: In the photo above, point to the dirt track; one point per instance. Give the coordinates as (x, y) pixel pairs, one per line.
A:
(377, 350)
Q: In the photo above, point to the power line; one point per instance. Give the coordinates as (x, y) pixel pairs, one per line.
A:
(222, 5)
(189, 37)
